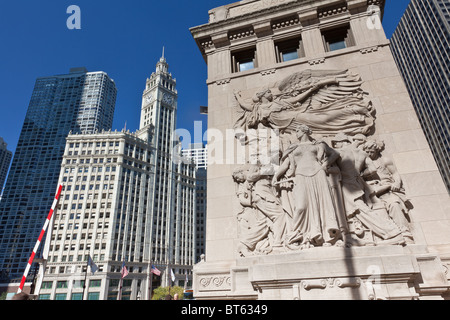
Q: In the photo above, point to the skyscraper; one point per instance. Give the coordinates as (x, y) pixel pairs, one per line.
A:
(198, 153)
(125, 200)
(80, 101)
(173, 194)
(5, 161)
(420, 47)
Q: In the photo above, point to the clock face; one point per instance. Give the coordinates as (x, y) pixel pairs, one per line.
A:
(149, 98)
(168, 99)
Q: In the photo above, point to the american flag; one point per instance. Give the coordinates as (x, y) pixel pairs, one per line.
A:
(155, 270)
(124, 271)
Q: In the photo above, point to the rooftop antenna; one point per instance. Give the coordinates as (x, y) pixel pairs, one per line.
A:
(163, 52)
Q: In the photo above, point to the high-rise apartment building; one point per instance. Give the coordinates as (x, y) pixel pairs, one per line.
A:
(420, 47)
(125, 200)
(81, 102)
(5, 161)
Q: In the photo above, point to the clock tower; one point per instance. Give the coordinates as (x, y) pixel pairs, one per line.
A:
(159, 104)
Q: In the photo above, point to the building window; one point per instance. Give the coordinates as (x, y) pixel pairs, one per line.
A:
(77, 296)
(47, 285)
(339, 38)
(94, 296)
(60, 296)
(44, 297)
(95, 283)
(291, 49)
(78, 283)
(243, 60)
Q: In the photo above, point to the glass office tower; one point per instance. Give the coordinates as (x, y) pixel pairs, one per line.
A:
(420, 47)
(78, 102)
(5, 161)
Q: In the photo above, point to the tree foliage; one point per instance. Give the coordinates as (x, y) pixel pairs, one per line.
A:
(161, 292)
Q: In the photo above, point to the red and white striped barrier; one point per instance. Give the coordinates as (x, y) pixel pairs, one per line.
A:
(47, 222)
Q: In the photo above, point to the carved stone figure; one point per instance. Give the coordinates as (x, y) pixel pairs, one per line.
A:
(326, 101)
(253, 226)
(359, 199)
(382, 175)
(313, 193)
(262, 219)
(335, 180)
(265, 201)
(315, 221)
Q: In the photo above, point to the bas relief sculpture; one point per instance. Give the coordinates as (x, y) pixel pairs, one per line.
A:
(325, 101)
(330, 184)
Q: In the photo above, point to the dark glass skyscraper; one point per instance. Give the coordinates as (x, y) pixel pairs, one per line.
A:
(420, 46)
(80, 101)
(5, 161)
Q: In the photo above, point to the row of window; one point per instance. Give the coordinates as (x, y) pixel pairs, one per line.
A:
(291, 49)
(86, 169)
(94, 160)
(84, 226)
(74, 296)
(76, 284)
(90, 152)
(70, 258)
(90, 178)
(91, 187)
(91, 144)
(169, 84)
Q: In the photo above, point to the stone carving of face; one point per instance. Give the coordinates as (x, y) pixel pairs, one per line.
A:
(372, 153)
(268, 95)
(302, 131)
(264, 95)
(300, 134)
(239, 176)
(373, 148)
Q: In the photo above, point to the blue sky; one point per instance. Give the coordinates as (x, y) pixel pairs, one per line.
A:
(122, 38)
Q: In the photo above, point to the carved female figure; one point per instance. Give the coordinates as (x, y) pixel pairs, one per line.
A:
(314, 220)
(324, 101)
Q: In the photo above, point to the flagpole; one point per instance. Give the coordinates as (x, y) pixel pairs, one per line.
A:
(171, 279)
(123, 274)
(150, 279)
(85, 277)
(119, 295)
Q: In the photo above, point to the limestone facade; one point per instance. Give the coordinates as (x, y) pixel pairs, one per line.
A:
(248, 46)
